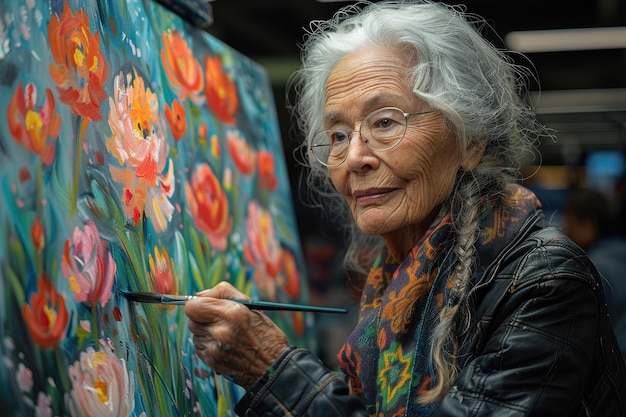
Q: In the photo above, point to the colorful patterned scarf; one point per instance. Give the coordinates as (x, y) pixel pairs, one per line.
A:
(387, 355)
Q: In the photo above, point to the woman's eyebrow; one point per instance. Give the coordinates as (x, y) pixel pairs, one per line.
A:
(331, 117)
(366, 107)
(369, 105)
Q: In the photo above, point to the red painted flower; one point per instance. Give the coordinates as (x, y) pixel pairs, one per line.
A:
(267, 170)
(177, 119)
(183, 70)
(209, 206)
(162, 272)
(290, 278)
(34, 129)
(220, 90)
(243, 155)
(79, 67)
(46, 317)
(37, 234)
(89, 266)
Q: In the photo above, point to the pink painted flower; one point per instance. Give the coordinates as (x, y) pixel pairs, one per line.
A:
(208, 205)
(43, 407)
(88, 265)
(139, 144)
(101, 385)
(261, 247)
(24, 378)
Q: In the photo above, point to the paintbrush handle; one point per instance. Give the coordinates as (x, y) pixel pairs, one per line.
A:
(268, 305)
(258, 305)
(174, 299)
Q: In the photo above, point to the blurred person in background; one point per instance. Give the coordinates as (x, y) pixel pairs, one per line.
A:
(589, 219)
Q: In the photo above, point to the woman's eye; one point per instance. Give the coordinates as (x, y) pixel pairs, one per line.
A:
(383, 123)
(338, 137)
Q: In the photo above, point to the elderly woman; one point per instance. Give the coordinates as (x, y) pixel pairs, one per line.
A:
(472, 307)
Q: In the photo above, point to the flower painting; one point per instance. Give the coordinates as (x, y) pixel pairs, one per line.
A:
(138, 153)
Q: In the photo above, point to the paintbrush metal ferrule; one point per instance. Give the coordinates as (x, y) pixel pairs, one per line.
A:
(172, 299)
(150, 297)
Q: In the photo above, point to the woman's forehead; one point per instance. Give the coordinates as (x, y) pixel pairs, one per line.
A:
(366, 81)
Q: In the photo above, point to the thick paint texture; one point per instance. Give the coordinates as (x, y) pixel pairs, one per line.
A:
(137, 152)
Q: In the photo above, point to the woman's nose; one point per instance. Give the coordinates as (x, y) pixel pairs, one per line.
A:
(360, 156)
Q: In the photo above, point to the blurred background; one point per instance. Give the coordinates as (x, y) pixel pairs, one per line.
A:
(578, 49)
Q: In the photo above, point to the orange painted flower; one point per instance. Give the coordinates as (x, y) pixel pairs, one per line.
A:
(220, 90)
(37, 234)
(162, 272)
(203, 132)
(243, 155)
(209, 206)
(216, 149)
(177, 119)
(46, 317)
(79, 67)
(89, 266)
(298, 323)
(183, 70)
(138, 142)
(34, 129)
(267, 170)
(290, 278)
(261, 248)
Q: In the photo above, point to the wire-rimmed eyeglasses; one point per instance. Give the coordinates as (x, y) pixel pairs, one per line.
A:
(381, 130)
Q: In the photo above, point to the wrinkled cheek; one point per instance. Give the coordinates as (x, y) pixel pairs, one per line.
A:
(338, 180)
(354, 210)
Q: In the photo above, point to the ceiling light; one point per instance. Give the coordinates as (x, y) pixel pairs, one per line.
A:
(567, 39)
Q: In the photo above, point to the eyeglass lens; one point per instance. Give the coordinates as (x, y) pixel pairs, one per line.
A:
(381, 130)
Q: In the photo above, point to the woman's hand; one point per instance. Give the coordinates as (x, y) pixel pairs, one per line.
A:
(231, 339)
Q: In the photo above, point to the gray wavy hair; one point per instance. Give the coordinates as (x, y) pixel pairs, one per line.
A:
(477, 88)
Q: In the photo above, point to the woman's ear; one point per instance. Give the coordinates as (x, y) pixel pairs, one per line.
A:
(473, 154)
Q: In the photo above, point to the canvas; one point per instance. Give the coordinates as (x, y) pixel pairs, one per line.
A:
(137, 153)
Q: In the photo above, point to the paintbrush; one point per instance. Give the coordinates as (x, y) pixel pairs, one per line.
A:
(172, 299)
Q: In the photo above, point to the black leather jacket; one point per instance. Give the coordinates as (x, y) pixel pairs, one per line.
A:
(542, 345)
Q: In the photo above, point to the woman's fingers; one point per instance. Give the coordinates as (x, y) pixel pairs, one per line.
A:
(209, 309)
(231, 339)
(222, 290)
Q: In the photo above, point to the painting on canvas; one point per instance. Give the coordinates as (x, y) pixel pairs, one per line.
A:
(137, 152)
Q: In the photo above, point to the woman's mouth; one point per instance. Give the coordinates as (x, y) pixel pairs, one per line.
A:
(370, 193)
